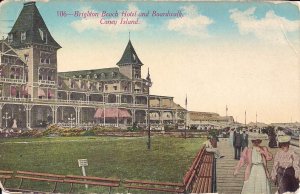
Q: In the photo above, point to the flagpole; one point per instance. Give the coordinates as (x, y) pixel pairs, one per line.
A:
(185, 116)
(245, 118)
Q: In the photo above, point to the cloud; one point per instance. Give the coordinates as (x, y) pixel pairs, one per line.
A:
(271, 28)
(193, 23)
(93, 23)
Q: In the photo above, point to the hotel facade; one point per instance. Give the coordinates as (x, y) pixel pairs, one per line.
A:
(33, 94)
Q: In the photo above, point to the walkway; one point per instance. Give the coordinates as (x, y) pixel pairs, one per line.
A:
(226, 182)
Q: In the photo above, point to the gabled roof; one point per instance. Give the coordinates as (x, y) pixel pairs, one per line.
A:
(102, 74)
(129, 56)
(6, 49)
(31, 22)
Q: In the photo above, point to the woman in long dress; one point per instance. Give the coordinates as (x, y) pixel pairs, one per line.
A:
(286, 170)
(256, 173)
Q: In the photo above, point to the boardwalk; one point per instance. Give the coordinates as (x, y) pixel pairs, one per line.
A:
(226, 182)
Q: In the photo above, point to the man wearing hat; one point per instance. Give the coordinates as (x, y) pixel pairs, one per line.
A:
(244, 140)
(237, 143)
(286, 170)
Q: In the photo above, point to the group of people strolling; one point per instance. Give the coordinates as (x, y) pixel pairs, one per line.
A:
(285, 171)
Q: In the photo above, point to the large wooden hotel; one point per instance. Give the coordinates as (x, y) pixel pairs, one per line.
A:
(33, 94)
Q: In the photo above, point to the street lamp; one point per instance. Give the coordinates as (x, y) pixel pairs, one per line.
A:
(71, 119)
(148, 84)
(6, 117)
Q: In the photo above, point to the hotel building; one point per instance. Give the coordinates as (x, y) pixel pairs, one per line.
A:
(33, 94)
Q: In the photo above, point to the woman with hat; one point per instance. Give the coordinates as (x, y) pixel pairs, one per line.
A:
(256, 173)
(286, 170)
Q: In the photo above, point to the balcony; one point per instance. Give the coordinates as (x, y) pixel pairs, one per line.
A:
(10, 80)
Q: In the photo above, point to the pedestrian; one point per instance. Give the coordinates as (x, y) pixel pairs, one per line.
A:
(237, 144)
(230, 140)
(272, 138)
(210, 146)
(256, 173)
(244, 140)
(286, 170)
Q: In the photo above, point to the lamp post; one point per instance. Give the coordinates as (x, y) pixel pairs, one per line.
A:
(71, 119)
(148, 84)
(6, 117)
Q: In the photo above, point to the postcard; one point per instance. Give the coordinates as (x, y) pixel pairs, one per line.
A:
(119, 96)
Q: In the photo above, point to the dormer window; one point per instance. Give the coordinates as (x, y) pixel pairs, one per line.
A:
(23, 36)
(41, 34)
(102, 75)
(88, 77)
(95, 76)
(113, 74)
(10, 38)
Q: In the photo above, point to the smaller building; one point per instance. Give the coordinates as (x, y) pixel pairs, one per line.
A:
(208, 120)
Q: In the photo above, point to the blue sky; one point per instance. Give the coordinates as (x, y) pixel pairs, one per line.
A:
(221, 27)
(242, 54)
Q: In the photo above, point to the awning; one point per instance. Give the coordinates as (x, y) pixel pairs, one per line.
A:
(50, 93)
(41, 92)
(112, 113)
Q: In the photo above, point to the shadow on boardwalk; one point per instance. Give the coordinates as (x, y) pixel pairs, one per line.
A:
(226, 182)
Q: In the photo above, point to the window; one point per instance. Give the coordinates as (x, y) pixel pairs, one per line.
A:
(102, 75)
(10, 38)
(115, 87)
(41, 33)
(44, 58)
(23, 36)
(106, 87)
(95, 76)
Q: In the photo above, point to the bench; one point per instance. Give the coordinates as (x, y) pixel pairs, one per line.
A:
(203, 183)
(4, 175)
(89, 180)
(198, 175)
(33, 176)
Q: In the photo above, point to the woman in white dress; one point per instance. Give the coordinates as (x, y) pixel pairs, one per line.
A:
(256, 173)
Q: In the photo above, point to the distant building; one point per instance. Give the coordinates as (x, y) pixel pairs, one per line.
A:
(34, 94)
(207, 120)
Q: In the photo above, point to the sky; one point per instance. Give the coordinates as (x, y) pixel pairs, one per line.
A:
(241, 54)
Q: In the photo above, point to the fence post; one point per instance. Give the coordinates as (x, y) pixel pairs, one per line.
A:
(214, 174)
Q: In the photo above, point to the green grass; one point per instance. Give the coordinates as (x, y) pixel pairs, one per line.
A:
(114, 157)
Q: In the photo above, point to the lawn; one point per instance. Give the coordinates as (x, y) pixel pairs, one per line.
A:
(114, 157)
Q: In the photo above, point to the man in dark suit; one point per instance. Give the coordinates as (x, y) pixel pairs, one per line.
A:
(244, 140)
(237, 144)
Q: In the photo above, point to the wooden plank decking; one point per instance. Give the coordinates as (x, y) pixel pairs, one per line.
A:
(226, 182)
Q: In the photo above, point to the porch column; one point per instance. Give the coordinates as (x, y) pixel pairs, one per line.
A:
(133, 116)
(28, 116)
(161, 119)
(1, 106)
(54, 114)
(173, 117)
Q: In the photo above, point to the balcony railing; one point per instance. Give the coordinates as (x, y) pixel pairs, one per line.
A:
(74, 102)
(10, 80)
(47, 82)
